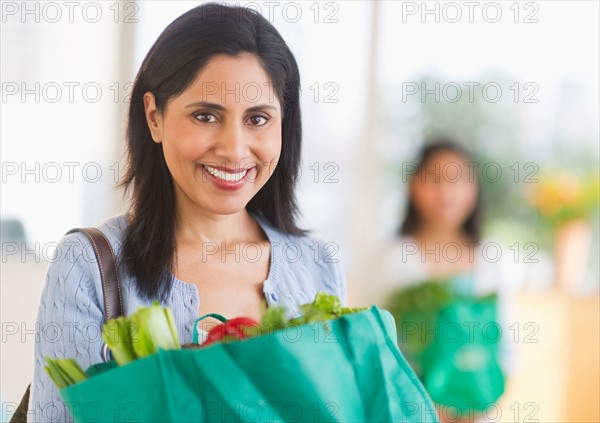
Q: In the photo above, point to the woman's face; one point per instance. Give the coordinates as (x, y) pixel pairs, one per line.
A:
(222, 136)
(444, 191)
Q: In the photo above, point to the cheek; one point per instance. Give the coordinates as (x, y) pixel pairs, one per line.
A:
(469, 197)
(424, 197)
(179, 156)
(464, 198)
(183, 147)
(269, 147)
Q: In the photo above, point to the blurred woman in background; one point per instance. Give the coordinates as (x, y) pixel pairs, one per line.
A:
(440, 256)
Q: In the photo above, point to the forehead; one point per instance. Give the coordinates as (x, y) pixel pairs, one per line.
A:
(232, 80)
(445, 157)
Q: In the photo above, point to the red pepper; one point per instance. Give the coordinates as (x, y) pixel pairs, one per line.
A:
(233, 328)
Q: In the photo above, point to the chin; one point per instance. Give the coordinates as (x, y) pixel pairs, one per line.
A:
(226, 207)
(448, 222)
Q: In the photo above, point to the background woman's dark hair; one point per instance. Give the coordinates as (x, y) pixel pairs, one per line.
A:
(472, 225)
(171, 66)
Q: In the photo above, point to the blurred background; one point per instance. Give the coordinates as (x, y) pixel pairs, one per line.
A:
(514, 82)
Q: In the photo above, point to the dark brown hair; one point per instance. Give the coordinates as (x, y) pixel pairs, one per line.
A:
(171, 65)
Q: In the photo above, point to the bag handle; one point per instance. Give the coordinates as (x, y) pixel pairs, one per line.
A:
(217, 316)
(109, 275)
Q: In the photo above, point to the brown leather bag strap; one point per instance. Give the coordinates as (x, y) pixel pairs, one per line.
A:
(109, 274)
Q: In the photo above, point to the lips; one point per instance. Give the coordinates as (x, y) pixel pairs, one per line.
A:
(227, 179)
(226, 175)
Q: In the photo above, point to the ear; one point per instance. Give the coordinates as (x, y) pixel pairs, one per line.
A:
(153, 117)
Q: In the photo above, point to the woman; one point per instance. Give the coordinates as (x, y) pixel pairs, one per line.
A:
(213, 140)
(440, 241)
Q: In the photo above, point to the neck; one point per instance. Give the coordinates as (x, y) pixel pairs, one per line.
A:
(439, 234)
(200, 226)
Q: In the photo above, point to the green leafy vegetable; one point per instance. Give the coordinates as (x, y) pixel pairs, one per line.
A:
(273, 318)
(156, 329)
(324, 307)
(350, 310)
(141, 334)
(64, 371)
(152, 328)
(117, 334)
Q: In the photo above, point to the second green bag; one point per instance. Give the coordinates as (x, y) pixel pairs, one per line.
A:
(463, 369)
(452, 340)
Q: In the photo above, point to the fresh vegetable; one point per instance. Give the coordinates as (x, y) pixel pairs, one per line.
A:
(419, 307)
(141, 334)
(273, 318)
(117, 334)
(64, 371)
(156, 329)
(231, 330)
(152, 328)
(324, 307)
(349, 310)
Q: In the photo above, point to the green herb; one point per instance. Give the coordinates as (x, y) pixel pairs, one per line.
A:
(324, 307)
(273, 318)
(350, 310)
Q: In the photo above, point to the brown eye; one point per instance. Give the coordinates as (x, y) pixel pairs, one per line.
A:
(259, 120)
(205, 117)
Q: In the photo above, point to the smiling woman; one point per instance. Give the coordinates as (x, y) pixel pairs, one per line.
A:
(213, 143)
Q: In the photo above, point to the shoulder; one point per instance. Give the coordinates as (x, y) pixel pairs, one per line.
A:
(404, 263)
(114, 229)
(302, 265)
(74, 259)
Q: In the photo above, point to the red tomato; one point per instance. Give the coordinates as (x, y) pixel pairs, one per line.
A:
(233, 328)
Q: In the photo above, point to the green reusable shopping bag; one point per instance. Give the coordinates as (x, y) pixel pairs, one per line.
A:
(346, 370)
(452, 341)
(462, 368)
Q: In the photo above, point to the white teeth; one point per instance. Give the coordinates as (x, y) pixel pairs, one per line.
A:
(227, 177)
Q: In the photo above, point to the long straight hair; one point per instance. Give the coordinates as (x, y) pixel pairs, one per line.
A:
(472, 225)
(171, 66)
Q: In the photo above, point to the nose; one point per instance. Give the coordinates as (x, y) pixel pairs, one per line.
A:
(232, 143)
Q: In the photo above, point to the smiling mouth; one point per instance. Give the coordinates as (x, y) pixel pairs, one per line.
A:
(226, 176)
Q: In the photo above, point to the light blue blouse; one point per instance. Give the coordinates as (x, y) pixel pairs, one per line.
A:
(71, 310)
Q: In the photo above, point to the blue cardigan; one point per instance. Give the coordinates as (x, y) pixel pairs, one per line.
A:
(71, 310)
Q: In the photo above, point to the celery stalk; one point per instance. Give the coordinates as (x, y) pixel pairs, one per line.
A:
(64, 372)
(119, 335)
(156, 330)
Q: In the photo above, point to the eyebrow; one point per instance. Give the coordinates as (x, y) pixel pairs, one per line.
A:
(219, 107)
